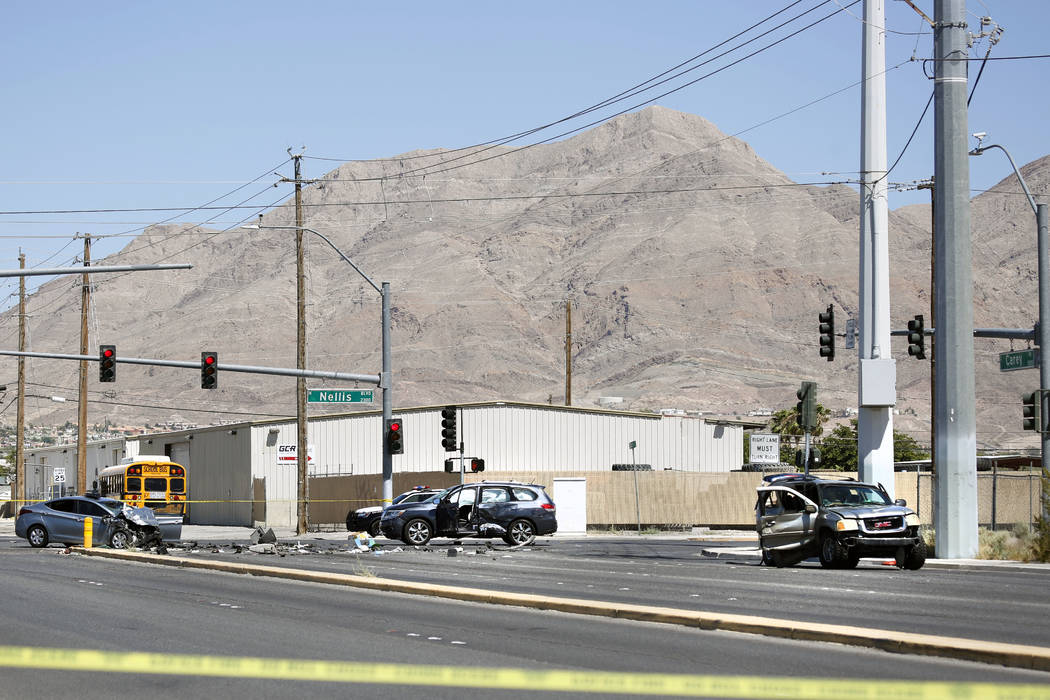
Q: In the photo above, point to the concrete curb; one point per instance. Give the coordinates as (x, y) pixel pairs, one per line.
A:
(1012, 655)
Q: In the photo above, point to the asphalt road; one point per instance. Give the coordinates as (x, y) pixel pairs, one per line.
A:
(52, 600)
(977, 604)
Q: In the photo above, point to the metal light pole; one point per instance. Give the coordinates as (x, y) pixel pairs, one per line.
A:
(1043, 332)
(385, 375)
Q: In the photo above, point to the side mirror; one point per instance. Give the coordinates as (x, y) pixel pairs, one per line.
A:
(900, 502)
(810, 508)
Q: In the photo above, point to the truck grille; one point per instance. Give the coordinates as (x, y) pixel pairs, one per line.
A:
(887, 524)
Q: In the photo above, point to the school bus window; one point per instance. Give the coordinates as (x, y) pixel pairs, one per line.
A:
(134, 484)
(156, 484)
(178, 485)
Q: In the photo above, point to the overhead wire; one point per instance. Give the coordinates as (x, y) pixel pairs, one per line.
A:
(607, 101)
(438, 168)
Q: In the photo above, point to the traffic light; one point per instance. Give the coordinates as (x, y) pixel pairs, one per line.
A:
(395, 436)
(827, 333)
(448, 429)
(477, 465)
(209, 370)
(1031, 411)
(107, 363)
(449, 466)
(807, 406)
(917, 338)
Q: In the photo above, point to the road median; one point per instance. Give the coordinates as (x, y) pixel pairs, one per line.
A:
(1012, 655)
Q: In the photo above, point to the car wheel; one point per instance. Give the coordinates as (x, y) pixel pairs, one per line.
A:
(120, 539)
(520, 532)
(37, 536)
(832, 554)
(417, 532)
(852, 559)
(768, 557)
(916, 556)
(373, 527)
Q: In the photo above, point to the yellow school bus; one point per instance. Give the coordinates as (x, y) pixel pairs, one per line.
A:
(154, 482)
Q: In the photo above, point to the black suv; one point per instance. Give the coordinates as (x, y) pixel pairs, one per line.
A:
(514, 511)
(838, 520)
(367, 519)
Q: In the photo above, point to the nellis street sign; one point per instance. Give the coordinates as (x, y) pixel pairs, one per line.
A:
(1018, 359)
(339, 396)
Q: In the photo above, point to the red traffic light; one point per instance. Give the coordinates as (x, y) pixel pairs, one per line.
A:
(395, 426)
(107, 352)
(209, 359)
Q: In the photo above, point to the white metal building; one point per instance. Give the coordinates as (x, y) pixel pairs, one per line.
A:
(231, 465)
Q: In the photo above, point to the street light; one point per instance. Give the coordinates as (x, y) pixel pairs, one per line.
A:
(384, 381)
(1042, 335)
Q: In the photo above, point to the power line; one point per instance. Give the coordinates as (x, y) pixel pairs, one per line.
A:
(606, 102)
(451, 200)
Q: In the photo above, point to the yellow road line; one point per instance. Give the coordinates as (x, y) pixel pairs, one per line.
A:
(656, 684)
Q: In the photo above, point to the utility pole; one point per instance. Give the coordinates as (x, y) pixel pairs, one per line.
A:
(85, 300)
(302, 448)
(568, 352)
(20, 428)
(955, 449)
(878, 375)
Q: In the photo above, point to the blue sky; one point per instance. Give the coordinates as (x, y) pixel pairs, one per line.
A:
(127, 105)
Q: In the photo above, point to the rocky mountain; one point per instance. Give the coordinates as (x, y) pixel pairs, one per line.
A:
(694, 270)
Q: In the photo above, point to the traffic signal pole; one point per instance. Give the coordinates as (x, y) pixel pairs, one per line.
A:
(877, 375)
(955, 449)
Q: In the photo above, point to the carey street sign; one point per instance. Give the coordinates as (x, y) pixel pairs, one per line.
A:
(339, 396)
(1018, 359)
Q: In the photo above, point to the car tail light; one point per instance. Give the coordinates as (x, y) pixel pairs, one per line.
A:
(548, 506)
(24, 510)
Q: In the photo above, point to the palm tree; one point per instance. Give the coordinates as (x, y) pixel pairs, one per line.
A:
(785, 422)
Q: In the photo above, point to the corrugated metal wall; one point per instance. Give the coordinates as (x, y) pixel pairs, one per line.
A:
(516, 437)
(230, 466)
(41, 463)
(278, 481)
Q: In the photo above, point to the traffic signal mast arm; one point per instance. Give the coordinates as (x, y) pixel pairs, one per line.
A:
(250, 369)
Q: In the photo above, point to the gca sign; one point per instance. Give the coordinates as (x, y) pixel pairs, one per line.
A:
(286, 454)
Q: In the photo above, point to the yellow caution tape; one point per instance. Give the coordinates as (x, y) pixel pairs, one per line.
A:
(509, 678)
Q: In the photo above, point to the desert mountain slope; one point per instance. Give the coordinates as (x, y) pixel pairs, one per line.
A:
(694, 269)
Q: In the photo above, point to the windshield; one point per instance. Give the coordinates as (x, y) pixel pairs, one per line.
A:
(852, 495)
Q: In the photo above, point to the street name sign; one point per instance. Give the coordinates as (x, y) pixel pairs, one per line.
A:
(340, 396)
(1018, 359)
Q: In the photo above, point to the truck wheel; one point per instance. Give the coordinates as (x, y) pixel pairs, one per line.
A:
(916, 556)
(832, 554)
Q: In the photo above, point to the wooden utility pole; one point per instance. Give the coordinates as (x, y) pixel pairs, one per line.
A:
(85, 300)
(301, 449)
(568, 353)
(20, 428)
